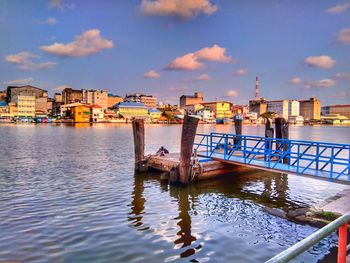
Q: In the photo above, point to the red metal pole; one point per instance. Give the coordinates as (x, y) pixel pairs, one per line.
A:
(342, 243)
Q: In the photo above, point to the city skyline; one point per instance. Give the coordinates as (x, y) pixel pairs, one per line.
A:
(298, 50)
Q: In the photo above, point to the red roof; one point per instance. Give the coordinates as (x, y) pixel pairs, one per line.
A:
(95, 106)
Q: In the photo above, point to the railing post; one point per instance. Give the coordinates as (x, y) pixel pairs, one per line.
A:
(317, 155)
(225, 146)
(332, 154)
(245, 149)
(298, 158)
(211, 143)
(342, 243)
(207, 138)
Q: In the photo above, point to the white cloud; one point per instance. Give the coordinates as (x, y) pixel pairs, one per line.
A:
(23, 61)
(182, 9)
(60, 4)
(62, 87)
(186, 62)
(323, 83)
(324, 62)
(20, 81)
(214, 53)
(232, 93)
(51, 21)
(240, 72)
(295, 81)
(338, 8)
(342, 76)
(85, 44)
(344, 36)
(152, 74)
(204, 77)
(192, 61)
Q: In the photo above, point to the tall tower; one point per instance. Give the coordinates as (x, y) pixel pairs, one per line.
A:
(257, 88)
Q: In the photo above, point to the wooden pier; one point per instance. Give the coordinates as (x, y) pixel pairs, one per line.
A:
(205, 156)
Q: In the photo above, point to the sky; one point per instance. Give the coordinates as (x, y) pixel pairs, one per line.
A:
(299, 49)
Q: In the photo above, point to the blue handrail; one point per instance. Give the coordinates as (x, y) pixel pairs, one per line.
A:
(330, 160)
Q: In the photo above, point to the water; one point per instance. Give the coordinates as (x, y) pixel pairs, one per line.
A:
(69, 194)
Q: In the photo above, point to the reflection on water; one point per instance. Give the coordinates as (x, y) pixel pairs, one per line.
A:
(71, 195)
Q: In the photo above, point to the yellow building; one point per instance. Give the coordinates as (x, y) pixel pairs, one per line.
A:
(25, 104)
(155, 114)
(222, 109)
(129, 110)
(310, 109)
(81, 113)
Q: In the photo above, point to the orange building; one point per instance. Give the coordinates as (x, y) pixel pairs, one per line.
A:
(81, 113)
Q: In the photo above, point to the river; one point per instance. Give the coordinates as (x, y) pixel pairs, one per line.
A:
(69, 194)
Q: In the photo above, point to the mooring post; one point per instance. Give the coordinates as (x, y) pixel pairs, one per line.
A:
(138, 128)
(282, 132)
(238, 128)
(188, 135)
(269, 132)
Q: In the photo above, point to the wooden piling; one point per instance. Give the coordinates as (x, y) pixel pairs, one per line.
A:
(238, 128)
(138, 128)
(189, 129)
(269, 133)
(282, 132)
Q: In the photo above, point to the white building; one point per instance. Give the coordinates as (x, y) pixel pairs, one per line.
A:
(206, 115)
(280, 107)
(25, 104)
(99, 97)
(293, 108)
(97, 113)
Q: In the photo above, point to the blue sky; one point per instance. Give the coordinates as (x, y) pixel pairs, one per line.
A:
(299, 49)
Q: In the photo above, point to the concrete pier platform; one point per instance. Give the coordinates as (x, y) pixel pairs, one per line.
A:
(340, 204)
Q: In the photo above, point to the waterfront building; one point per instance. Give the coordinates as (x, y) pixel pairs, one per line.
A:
(310, 109)
(113, 99)
(221, 109)
(148, 100)
(293, 108)
(25, 104)
(70, 96)
(240, 109)
(40, 97)
(192, 108)
(197, 98)
(343, 110)
(258, 106)
(8, 110)
(206, 115)
(98, 97)
(50, 103)
(81, 113)
(97, 113)
(335, 119)
(155, 114)
(280, 107)
(58, 97)
(129, 110)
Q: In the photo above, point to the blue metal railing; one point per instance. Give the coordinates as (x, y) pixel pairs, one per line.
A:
(327, 160)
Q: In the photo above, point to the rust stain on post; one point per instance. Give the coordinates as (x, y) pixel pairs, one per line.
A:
(138, 128)
(189, 129)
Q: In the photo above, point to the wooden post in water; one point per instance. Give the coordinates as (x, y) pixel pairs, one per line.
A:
(282, 131)
(189, 129)
(269, 132)
(138, 128)
(238, 128)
